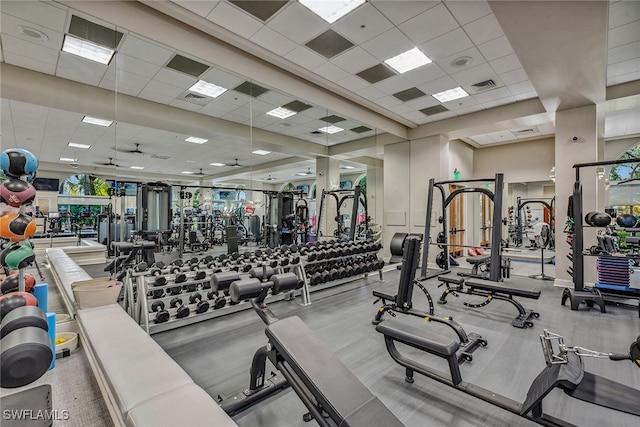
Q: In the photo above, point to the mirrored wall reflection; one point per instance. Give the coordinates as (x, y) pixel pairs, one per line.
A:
(530, 205)
(142, 126)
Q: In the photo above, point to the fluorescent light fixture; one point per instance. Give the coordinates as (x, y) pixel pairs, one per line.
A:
(137, 167)
(207, 89)
(408, 60)
(261, 152)
(217, 164)
(74, 145)
(281, 113)
(67, 159)
(87, 49)
(331, 10)
(96, 121)
(451, 94)
(187, 172)
(196, 140)
(347, 167)
(331, 129)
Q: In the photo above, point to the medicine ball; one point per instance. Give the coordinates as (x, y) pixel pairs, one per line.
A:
(16, 193)
(587, 217)
(600, 219)
(26, 355)
(626, 220)
(17, 227)
(17, 162)
(11, 301)
(17, 255)
(10, 284)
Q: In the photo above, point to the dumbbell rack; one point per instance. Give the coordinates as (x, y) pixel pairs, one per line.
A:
(139, 308)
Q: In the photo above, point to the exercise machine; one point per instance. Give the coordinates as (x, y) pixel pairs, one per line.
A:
(333, 395)
(402, 303)
(355, 229)
(564, 370)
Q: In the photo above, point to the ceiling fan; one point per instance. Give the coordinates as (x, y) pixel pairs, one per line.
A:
(269, 178)
(134, 151)
(199, 173)
(236, 165)
(109, 163)
(307, 173)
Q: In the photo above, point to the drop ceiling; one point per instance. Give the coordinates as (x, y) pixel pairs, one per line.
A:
(464, 40)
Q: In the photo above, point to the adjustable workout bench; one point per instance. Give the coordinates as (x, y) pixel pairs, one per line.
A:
(568, 375)
(332, 393)
(481, 265)
(491, 290)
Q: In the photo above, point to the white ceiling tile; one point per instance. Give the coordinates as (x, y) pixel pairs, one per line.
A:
(623, 53)
(156, 96)
(474, 75)
(496, 48)
(133, 65)
(422, 102)
(355, 60)
(505, 64)
(525, 95)
(393, 84)
(467, 11)
(175, 78)
(78, 75)
(371, 93)
(503, 135)
(305, 57)
(145, 50)
(625, 67)
(222, 78)
(29, 63)
(200, 7)
(515, 76)
(30, 50)
(387, 101)
(429, 25)
(424, 74)
(273, 41)
(400, 109)
(521, 87)
(439, 85)
(235, 19)
(185, 105)
(92, 71)
(235, 98)
(388, 44)
(353, 83)
(330, 72)
(623, 12)
(492, 95)
(120, 88)
(470, 109)
(446, 45)
(276, 98)
(624, 34)
(362, 24)
(298, 23)
(399, 11)
(163, 88)
(40, 13)
(417, 117)
(546, 128)
(130, 79)
(623, 78)
(467, 101)
(448, 64)
(11, 25)
(484, 29)
(482, 139)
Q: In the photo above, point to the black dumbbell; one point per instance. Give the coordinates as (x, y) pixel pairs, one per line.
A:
(312, 256)
(342, 272)
(201, 305)
(158, 264)
(159, 278)
(178, 263)
(157, 293)
(181, 309)
(180, 278)
(198, 274)
(161, 315)
(316, 278)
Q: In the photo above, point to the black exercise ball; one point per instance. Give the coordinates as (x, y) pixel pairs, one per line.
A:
(600, 219)
(588, 216)
(626, 220)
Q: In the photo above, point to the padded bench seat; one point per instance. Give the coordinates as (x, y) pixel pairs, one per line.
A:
(501, 288)
(338, 390)
(418, 337)
(478, 259)
(450, 278)
(141, 378)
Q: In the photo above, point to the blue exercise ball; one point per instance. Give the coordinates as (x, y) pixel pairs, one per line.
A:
(626, 220)
(18, 162)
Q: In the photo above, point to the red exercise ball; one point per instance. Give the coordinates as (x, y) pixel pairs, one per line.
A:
(16, 193)
(17, 227)
(14, 300)
(10, 284)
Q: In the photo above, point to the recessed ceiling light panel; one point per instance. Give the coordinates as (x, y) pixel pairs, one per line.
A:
(136, 167)
(408, 60)
(331, 129)
(196, 140)
(451, 94)
(331, 11)
(281, 113)
(76, 145)
(187, 172)
(217, 164)
(67, 159)
(87, 49)
(261, 152)
(96, 121)
(207, 89)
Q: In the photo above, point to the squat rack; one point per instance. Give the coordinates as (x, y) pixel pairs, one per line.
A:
(341, 196)
(522, 202)
(496, 229)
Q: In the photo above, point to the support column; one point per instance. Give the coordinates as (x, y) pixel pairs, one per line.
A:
(584, 123)
(327, 178)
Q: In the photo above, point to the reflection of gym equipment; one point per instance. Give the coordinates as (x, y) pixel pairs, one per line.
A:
(495, 264)
(339, 399)
(280, 226)
(355, 229)
(565, 372)
(522, 224)
(402, 302)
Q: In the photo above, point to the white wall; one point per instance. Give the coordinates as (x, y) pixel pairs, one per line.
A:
(520, 162)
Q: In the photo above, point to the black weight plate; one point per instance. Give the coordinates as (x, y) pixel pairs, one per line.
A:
(26, 355)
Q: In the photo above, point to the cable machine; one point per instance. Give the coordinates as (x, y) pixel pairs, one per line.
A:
(281, 219)
(341, 197)
(496, 230)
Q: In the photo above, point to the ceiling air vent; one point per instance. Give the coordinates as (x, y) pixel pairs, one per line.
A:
(193, 96)
(525, 131)
(484, 85)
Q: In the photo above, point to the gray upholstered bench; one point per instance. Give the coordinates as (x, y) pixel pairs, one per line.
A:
(141, 384)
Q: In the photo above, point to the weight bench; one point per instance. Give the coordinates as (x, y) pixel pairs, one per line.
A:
(480, 265)
(492, 290)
